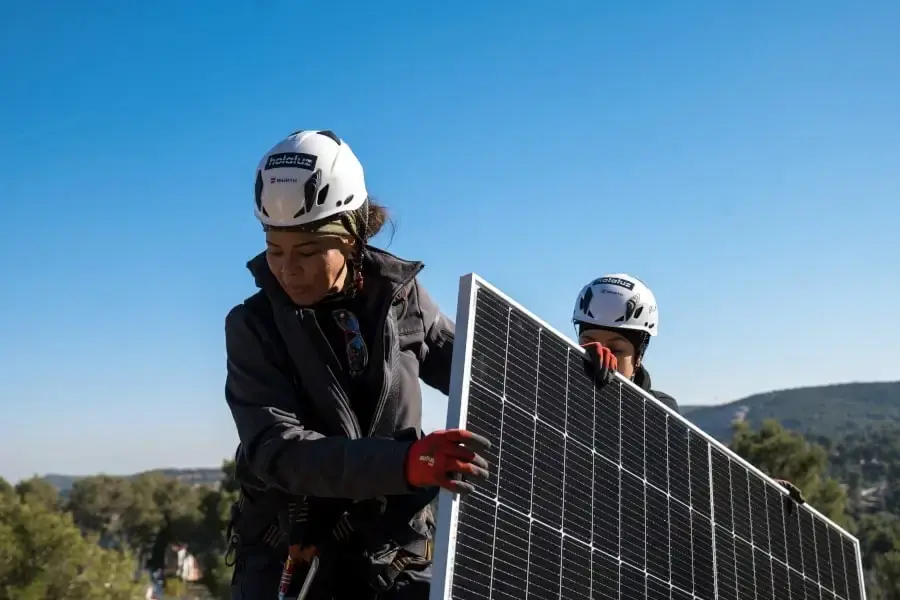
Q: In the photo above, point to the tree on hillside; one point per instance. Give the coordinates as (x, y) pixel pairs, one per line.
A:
(6, 488)
(38, 491)
(98, 505)
(229, 479)
(178, 511)
(208, 542)
(878, 535)
(143, 519)
(144, 514)
(148, 513)
(868, 460)
(787, 455)
(886, 577)
(43, 555)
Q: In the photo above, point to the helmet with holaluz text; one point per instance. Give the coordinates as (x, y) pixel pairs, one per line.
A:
(307, 177)
(619, 302)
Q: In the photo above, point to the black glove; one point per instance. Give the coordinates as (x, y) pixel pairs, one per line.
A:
(794, 497)
(600, 363)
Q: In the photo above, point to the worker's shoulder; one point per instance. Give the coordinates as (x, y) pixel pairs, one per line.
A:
(253, 316)
(665, 399)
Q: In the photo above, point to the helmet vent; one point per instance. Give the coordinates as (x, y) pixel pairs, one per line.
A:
(310, 192)
(331, 135)
(259, 190)
(585, 304)
(323, 194)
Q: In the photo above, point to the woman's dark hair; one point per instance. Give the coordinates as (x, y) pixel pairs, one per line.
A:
(378, 216)
(372, 216)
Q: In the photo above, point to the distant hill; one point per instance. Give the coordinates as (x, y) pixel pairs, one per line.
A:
(202, 476)
(828, 410)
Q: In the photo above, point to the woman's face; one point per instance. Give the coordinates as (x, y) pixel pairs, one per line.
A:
(622, 348)
(308, 266)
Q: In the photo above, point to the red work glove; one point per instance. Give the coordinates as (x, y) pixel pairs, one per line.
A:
(302, 554)
(447, 459)
(600, 363)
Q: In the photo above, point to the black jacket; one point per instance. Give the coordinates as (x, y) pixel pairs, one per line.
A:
(642, 380)
(293, 417)
(300, 441)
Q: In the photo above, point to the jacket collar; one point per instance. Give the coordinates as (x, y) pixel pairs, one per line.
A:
(642, 378)
(377, 264)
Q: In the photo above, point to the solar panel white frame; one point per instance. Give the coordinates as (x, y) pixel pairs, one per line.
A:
(449, 504)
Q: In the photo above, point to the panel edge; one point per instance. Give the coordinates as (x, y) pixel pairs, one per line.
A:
(457, 409)
(859, 569)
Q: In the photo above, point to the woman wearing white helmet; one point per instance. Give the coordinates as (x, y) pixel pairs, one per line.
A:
(324, 363)
(615, 317)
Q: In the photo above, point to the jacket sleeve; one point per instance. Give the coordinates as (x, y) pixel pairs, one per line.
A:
(437, 357)
(278, 448)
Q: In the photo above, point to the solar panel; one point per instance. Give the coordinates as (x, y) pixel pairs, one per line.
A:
(609, 495)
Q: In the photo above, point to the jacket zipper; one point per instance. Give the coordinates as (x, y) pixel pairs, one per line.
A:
(343, 398)
(334, 355)
(382, 398)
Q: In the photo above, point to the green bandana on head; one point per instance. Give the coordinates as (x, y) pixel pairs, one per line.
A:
(335, 225)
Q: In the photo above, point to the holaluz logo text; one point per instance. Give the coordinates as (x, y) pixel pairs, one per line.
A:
(296, 160)
(614, 281)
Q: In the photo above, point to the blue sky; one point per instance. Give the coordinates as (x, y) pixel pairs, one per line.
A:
(741, 158)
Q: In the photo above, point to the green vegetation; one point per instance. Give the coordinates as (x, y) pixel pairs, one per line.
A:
(44, 555)
(97, 541)
(830, 411)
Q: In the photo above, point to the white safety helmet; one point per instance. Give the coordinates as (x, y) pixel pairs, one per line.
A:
(617, 301)
(307, 177)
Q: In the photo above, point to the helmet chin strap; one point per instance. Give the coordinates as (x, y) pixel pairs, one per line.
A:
(334, 284)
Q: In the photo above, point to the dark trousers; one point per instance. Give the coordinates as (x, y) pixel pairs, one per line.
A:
(257, 573)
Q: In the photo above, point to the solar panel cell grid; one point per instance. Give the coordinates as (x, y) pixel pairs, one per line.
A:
(837, 557)
(606, 509)
(780, 582)
(606, 495)
(726, 573)
(775, 510)
(679, 454)
(681, 546)
(703, 561)
(699, 471)
(851, 562)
